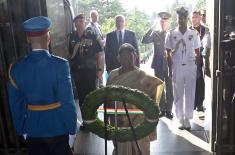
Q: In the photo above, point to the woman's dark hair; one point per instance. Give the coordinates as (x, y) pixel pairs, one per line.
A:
(127, 47)
(80, 16)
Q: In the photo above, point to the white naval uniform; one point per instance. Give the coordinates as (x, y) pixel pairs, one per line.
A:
(184, 69)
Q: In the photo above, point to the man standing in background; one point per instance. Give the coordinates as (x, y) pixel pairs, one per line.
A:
(204, 34)
(86, 57)
(203, 16)
(159, 63)
(207, 45)
(115, 39)
(94, 18)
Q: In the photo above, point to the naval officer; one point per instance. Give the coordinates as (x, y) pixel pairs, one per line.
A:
(182, 45)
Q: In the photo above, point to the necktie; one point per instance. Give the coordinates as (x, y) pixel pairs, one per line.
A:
(120, 38)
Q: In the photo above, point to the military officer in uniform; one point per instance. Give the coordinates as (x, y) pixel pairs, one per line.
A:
(182, 45)
(40, 94)
(159, 63)
(86, 58)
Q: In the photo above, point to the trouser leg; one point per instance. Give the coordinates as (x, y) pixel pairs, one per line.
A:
(58, 145)
(86, 83)
(36, 147)
(200, 91)
(207, 64)
(178, 91)
(169, 93)
(190, 84)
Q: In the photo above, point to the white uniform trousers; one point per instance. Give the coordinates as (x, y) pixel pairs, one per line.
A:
(184, 84)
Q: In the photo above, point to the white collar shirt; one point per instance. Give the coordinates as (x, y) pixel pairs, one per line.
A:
(182, 45)
(97, 28)
(123, 33)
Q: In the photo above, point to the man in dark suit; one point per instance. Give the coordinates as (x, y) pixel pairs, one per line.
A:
(115, 39)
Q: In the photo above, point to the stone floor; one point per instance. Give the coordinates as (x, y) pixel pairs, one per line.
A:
(170, 141)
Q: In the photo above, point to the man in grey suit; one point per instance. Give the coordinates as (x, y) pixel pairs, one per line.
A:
(94, 25)
(115, 39)
(159, 63)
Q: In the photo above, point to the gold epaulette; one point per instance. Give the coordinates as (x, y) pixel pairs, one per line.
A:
(12, 81)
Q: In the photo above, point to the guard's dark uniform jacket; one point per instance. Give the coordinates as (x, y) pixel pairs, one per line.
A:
(83, 51)
(158, 38)
(41, 97)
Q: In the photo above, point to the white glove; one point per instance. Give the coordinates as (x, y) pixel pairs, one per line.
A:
(72, 140)
(25, 136)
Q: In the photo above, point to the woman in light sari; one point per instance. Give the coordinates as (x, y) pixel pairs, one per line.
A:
(129, 75)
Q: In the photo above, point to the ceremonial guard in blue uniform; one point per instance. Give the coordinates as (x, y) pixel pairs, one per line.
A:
(159, 63)
(86, 58)
(40, 94)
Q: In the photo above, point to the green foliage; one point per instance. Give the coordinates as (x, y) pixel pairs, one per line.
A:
(136, 20)
(108, 25)
(107, 9)
(172, 10)
(201, 5)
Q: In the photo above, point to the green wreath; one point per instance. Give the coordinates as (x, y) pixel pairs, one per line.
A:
(119, 93)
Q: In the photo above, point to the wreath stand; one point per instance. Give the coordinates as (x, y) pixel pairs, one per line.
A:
(115, 140)
(125, 95)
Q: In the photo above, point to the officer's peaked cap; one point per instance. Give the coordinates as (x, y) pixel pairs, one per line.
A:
(182, 11)
(37, 26)
(164, 15)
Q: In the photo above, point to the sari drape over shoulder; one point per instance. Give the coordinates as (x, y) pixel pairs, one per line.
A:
(150, 85)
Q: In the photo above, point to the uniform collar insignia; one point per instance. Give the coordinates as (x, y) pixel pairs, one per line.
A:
(190, 37)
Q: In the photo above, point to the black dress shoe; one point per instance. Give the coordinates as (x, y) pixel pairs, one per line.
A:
(162, 113)
(200, 109)
(169, 115)
(188, 128)
(82, 128)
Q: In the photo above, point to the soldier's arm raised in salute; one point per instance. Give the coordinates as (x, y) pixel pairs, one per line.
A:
(148, 37)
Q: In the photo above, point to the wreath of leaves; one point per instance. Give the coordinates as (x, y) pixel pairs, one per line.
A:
(119, 93)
